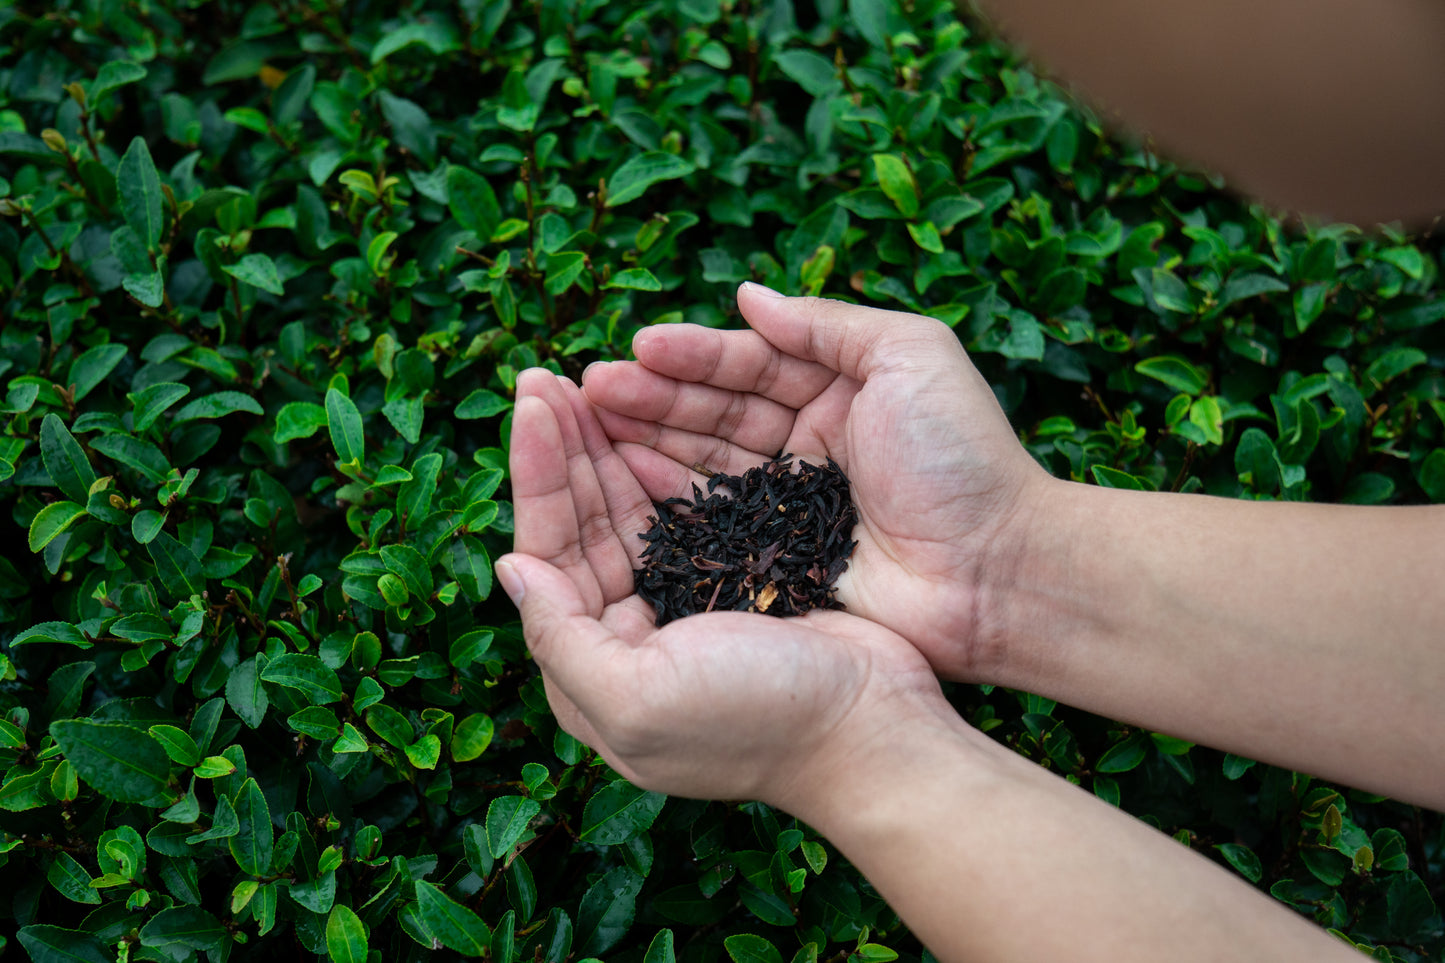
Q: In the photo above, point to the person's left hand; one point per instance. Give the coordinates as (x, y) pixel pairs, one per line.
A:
(717, 705)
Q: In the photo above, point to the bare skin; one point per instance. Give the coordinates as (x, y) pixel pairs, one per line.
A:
(1224, 622)
(1329, 107)
(841, 721)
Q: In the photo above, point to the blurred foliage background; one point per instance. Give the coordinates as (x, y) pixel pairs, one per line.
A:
(268, 272)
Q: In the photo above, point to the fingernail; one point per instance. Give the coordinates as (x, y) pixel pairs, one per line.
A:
(511, 581)
(586, 370)
(762, 289)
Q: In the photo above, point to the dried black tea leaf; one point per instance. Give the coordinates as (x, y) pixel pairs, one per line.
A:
(770, 540)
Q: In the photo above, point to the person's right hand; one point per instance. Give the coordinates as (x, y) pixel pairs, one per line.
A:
(943, 488)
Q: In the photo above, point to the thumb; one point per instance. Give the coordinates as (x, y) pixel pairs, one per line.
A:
(851, 339)
(565, 638)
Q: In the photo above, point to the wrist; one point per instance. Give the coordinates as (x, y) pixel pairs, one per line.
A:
(1035, 595)
(864, 766)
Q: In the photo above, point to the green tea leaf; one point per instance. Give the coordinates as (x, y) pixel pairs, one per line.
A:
(896, 179)
(1174, 371)
(65, 460)
(257, 270)
(346, 936)
(344, 420)
(607, 911)
(634, 279)
(253, 844)
(455, 926)
(120, 762)
(641, 171)
(619, 811)
(151, 401)
(179, 569)
(507, 821)
(299, 419)
(306, 674)
(92, 367)
(472, 737)
(71, 880)
(50, 521)
(178, 744)
(55, 944)
(472, 202)
(139, 186)
(218, 405)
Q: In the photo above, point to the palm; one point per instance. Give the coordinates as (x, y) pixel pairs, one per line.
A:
(714, 705)
(934, 466)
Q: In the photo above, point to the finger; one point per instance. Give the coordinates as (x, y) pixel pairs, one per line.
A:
(732, 360)
(851, 339)
(627, 503)
(545, 516)
(601, 543)
(583, 657)
(748, 420)
(688, 448)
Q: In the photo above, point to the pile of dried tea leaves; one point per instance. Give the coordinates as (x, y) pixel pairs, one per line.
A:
(770, 540)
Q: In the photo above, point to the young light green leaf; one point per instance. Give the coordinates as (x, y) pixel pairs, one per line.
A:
(426, 752)
(344, 420)
(346, 936)
(299, 419)
(1174, 371)
(120, 762)
(472, 737)
(634, 279)
(139, 186)
(50, 521)
(65, 460)
(507, 821)
(896, 179)
(178, 744)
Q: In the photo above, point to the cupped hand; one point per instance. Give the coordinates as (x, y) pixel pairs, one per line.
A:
(719, 705)
(943, 489)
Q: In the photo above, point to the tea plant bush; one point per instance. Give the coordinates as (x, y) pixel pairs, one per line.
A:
(268, 272)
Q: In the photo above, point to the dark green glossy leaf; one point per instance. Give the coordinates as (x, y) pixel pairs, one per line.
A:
(120, 762)
(65, 460)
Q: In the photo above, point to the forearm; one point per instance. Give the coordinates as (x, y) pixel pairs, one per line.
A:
(987, 857)
(1309, 636)
(1329, 106)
